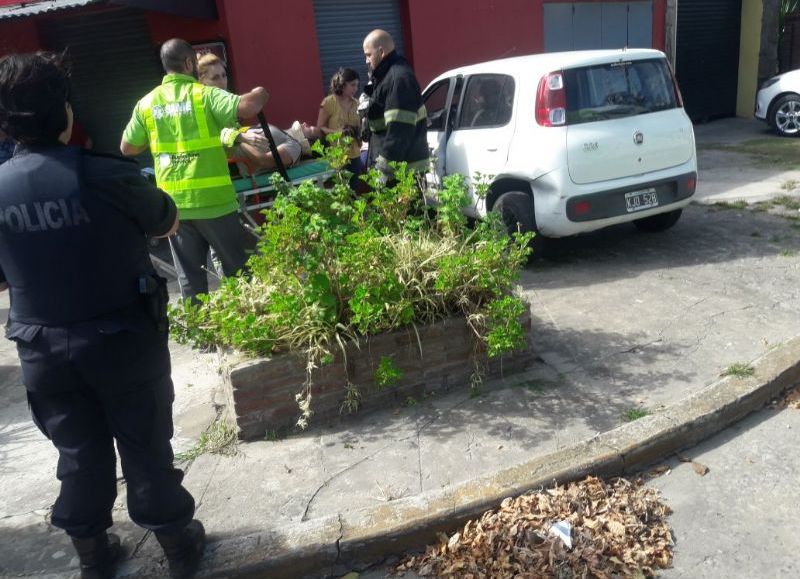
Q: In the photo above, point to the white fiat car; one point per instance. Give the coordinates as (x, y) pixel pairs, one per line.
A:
(572, 141)
(778, 103)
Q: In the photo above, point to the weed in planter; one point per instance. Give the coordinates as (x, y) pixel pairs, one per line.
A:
(332, 269)
(273, 435)
(352, 399)
(387, 373)
(411, 401)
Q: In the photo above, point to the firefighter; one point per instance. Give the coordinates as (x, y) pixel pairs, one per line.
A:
(396, 116)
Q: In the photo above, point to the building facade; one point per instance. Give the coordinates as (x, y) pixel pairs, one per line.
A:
(292, 47)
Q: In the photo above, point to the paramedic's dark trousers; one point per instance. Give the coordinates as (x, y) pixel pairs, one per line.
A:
(90, 384)
(232, 243)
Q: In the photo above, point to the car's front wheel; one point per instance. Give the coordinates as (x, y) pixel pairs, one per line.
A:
(785, 117)
(660, 222)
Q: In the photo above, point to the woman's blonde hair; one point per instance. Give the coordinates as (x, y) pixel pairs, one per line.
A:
(206, 61)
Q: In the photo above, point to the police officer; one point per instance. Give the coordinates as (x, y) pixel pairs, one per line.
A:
(88, 316)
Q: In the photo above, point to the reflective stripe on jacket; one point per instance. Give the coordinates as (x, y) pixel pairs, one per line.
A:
(396, 115)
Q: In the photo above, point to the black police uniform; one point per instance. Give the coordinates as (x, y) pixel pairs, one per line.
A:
(90, 327)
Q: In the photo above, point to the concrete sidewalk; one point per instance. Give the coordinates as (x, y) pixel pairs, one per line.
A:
(623, 323)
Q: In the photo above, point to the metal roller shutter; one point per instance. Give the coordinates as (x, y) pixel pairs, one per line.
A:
(114, 65)
(342, 26)
(591, 25)
(707, 56)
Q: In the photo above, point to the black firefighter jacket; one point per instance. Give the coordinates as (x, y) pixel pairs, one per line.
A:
(397, 117)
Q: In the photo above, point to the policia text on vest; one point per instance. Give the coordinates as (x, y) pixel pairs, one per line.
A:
(44, 216)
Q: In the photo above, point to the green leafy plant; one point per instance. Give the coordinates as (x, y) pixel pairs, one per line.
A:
(387, 374)
(632, 414)
(332, 268)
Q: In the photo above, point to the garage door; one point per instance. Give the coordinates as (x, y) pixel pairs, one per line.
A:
(342, 26)
(707, 56)
(114, 65)
(591, 25)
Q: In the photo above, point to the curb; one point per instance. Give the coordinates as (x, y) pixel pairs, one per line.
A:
(337, 544)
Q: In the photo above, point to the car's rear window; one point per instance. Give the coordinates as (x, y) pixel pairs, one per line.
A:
(619, 89)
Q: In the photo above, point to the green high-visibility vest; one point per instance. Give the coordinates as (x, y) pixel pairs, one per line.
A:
(189, 161)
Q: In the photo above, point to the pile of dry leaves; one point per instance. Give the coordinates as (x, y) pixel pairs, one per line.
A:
(618, 529)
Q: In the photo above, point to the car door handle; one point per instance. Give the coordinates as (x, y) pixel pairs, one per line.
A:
(491, 149)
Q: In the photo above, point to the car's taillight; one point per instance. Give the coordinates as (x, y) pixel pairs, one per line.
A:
(551, 101)
(678, 95)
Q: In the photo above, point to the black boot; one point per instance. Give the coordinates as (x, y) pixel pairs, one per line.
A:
(184, 549)
(98, 555)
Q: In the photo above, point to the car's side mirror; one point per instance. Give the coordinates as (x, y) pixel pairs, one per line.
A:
(436, 121)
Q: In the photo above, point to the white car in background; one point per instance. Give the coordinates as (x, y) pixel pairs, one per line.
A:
(574, 141)
(778, 103)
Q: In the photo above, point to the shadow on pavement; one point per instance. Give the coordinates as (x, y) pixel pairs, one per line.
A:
(704, 235)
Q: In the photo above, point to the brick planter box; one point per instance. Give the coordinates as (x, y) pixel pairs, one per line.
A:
(260, 393)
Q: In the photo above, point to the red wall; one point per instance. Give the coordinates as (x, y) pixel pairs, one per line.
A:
(18, 35)
(165, 26)
(451, 33)
(274, 44)
(276, 47)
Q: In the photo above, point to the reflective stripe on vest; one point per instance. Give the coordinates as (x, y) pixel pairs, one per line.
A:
(190, 163)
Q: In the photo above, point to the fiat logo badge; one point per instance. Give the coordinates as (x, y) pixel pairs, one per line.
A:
(638, 137)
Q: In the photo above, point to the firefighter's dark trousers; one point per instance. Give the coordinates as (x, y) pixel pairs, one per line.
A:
(93, 383)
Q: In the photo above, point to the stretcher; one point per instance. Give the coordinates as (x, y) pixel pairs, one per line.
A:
(255, 192)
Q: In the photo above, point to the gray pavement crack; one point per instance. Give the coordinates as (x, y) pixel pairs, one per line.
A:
(208, 483)
(327, 481)
(339, 538)
(419, 461)
(416, 434)
(31, 512)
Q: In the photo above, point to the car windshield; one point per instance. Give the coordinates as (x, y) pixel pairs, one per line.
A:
(618, 89)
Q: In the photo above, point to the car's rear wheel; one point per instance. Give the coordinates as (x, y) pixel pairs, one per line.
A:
(660, 222)
(785, 117)
(516, 211)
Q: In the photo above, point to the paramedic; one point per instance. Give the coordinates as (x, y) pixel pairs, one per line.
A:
(180, 121)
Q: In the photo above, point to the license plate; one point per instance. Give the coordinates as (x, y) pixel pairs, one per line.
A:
(639, 200)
